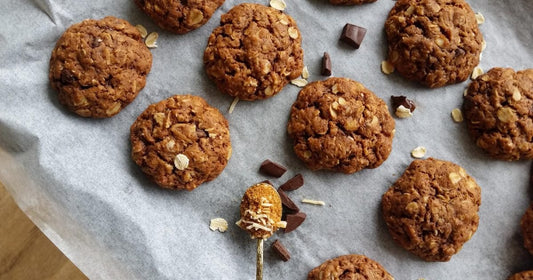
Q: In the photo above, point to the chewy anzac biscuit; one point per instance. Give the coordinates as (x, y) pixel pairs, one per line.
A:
(349, 267)
(434, 42)
(181, 142)
(179, 16)
(524, 275)
(339, 125)
(254, 52)
(526, 225)
(432, 210)
(497, 109)
(99, 66)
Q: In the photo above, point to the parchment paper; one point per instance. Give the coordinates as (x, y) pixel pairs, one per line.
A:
(76, 181)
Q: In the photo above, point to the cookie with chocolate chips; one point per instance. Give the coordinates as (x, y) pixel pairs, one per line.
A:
(349, 267)
(338, 124)
(99, 66)
(179, 16)
(254, 52)
(181, 142)
(497, 110)
(433, 42)
(432, 209)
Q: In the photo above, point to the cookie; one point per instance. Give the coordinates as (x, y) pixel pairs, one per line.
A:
(181, 142)
(349, 267)
(254, 52)
(433, 42)
(99, 66)
(338, 124)
(524, 275)
(497, 110)
(432, 210)
(526, 225)
(179, 16)
(350, 2)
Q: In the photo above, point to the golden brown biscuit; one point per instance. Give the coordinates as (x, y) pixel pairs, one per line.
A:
(99, 66)
(350, 267)
(433, 42)
(526, 224)
(432, 210)
(524, 275)
(497, 109)
(181, 142)
(254, 52)
(339, 125)
(179, 16)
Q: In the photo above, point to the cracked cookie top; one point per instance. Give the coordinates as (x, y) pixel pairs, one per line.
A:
(432, 209)
(349, 267)
(179, 16)
(338, 124)
(433, 42)
(181, 142)
(254, 52)
(99, 66)
(497, 109)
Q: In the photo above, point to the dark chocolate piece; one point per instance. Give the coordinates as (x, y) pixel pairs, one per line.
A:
(326, 65)
(287, 202)
(281, 250)
(401, 100)
(294, 221)
(294, 183)
(272, 169)
(353, 35)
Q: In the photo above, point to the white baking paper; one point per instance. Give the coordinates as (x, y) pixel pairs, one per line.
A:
(75, 179)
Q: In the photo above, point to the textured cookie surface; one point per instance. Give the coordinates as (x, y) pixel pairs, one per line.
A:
(349, 267)
(524, 275)
(99, 66)
(338, 124)
(527, 229)
(432, 210)
(434, 42)
(350, 2)
(181, 142)
(497, 110)
(254, 52)
(179, 16)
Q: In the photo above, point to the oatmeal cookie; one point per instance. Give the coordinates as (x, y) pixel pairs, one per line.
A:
(350, 267)
(497, 109)
(350, 2)
(524, 275)
(338, 124)
(254, 52)
(181, 142)
(179, 16)
(527, 228)
(432, 210)
(99, 66)
(434, 42)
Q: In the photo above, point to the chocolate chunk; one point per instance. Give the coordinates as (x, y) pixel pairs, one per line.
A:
(326, 65)
(67, 77)
(272, 169)
(353, 35)
(294, 183)
(398, 101)
(281, 250)
(294, 221)
(287, 202)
